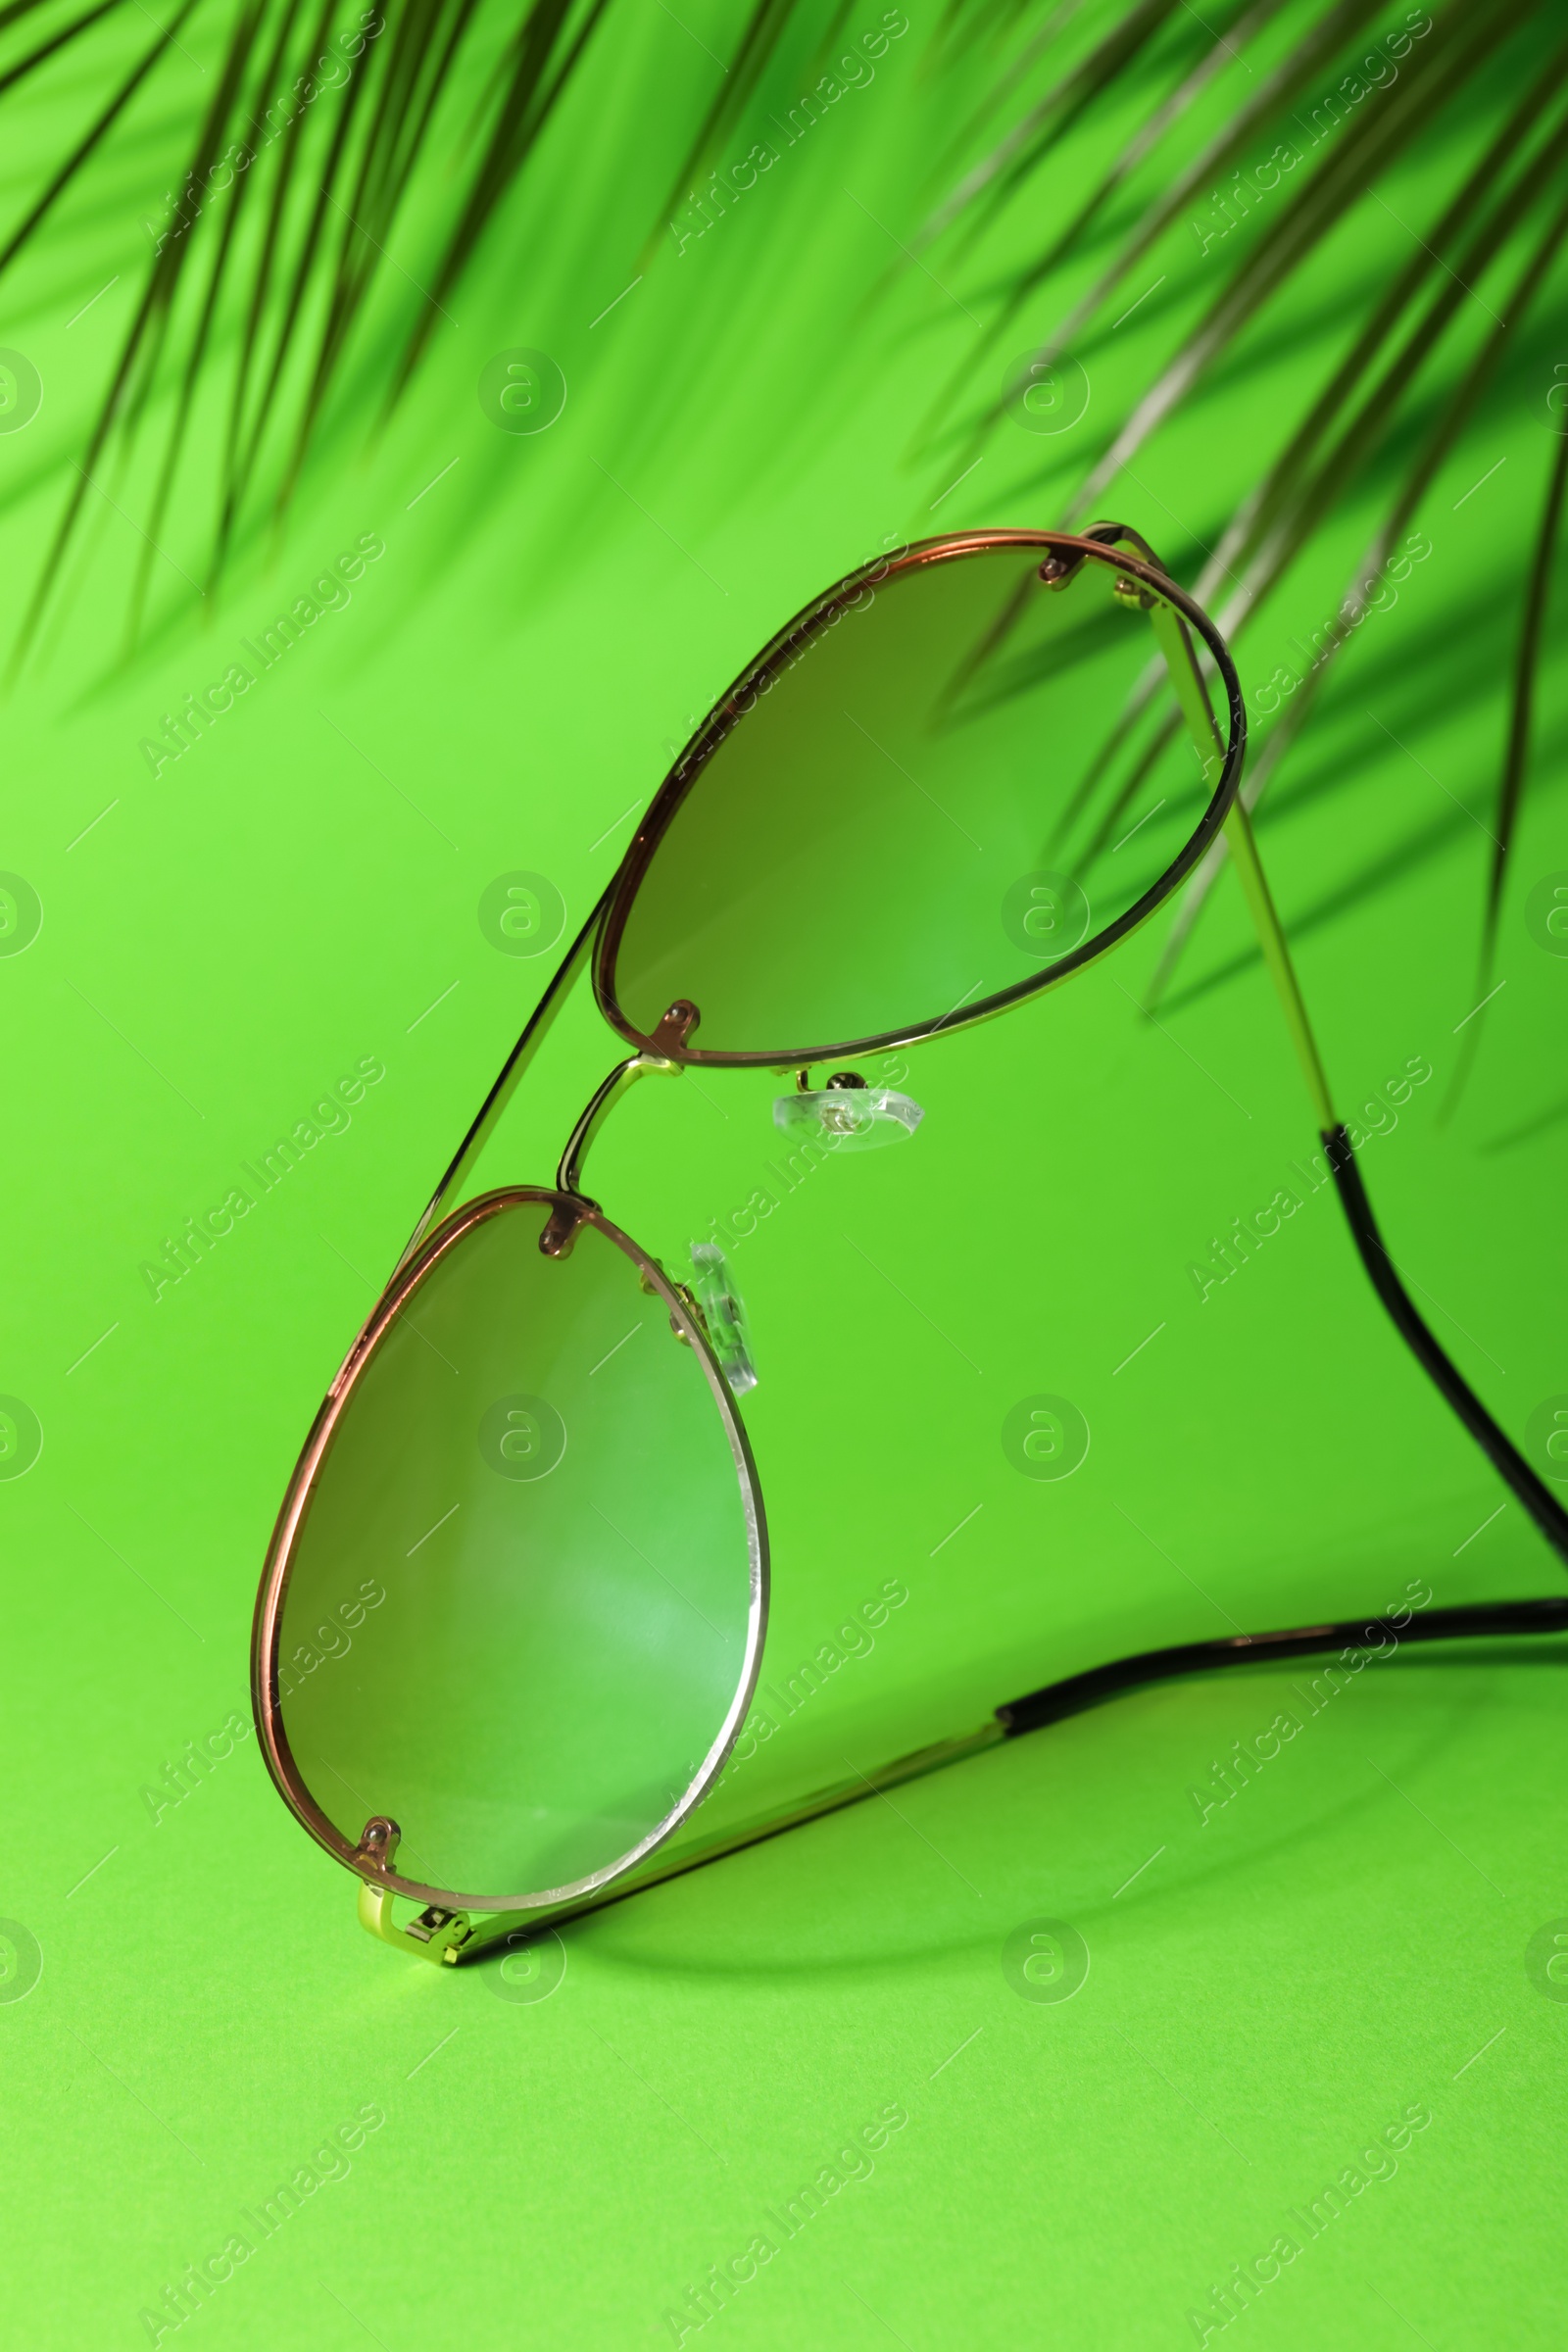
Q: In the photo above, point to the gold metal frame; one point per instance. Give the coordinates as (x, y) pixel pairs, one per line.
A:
(444, 1932)
(1110, 544)
(372, 1856)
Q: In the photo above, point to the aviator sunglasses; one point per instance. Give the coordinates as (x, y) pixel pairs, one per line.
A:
(545, 1529)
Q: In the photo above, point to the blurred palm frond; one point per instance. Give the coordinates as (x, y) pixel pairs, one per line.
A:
(271, 245)
(1270, 140)
(1486, 88)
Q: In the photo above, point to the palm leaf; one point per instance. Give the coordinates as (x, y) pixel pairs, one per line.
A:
(1516, 752)
(330, 185)
(302, 242)
(1510, 790)
(259, 307)
(1397, 396)
(1440, 443)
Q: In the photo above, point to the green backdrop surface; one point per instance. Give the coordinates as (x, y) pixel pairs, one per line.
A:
(1349, 1945)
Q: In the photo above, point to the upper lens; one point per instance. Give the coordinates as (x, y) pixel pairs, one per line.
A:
(941, 786)
(523, 1601)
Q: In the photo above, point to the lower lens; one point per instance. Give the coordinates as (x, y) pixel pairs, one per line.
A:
(523, 1598)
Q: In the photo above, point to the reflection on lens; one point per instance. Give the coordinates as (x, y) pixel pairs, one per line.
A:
(522, 1437)
(525, 1596)
(947, 783)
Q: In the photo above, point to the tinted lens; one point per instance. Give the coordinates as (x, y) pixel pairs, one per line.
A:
(950, 784)
(521, 1603)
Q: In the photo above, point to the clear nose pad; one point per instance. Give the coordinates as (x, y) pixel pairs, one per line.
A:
(713, 1289)
(848, 1115)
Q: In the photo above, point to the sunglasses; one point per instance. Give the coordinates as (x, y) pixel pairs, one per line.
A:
(513, 1613)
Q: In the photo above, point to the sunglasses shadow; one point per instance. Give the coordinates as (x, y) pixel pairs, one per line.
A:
(1156, 1805)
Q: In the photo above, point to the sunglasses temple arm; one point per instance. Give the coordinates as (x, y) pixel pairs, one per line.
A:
(451, 1937)
(1277, 956)
(513, 1071)
(1503, 1455)
(1191, 694)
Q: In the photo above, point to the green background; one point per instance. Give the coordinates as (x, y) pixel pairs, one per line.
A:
(1268, 1988)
